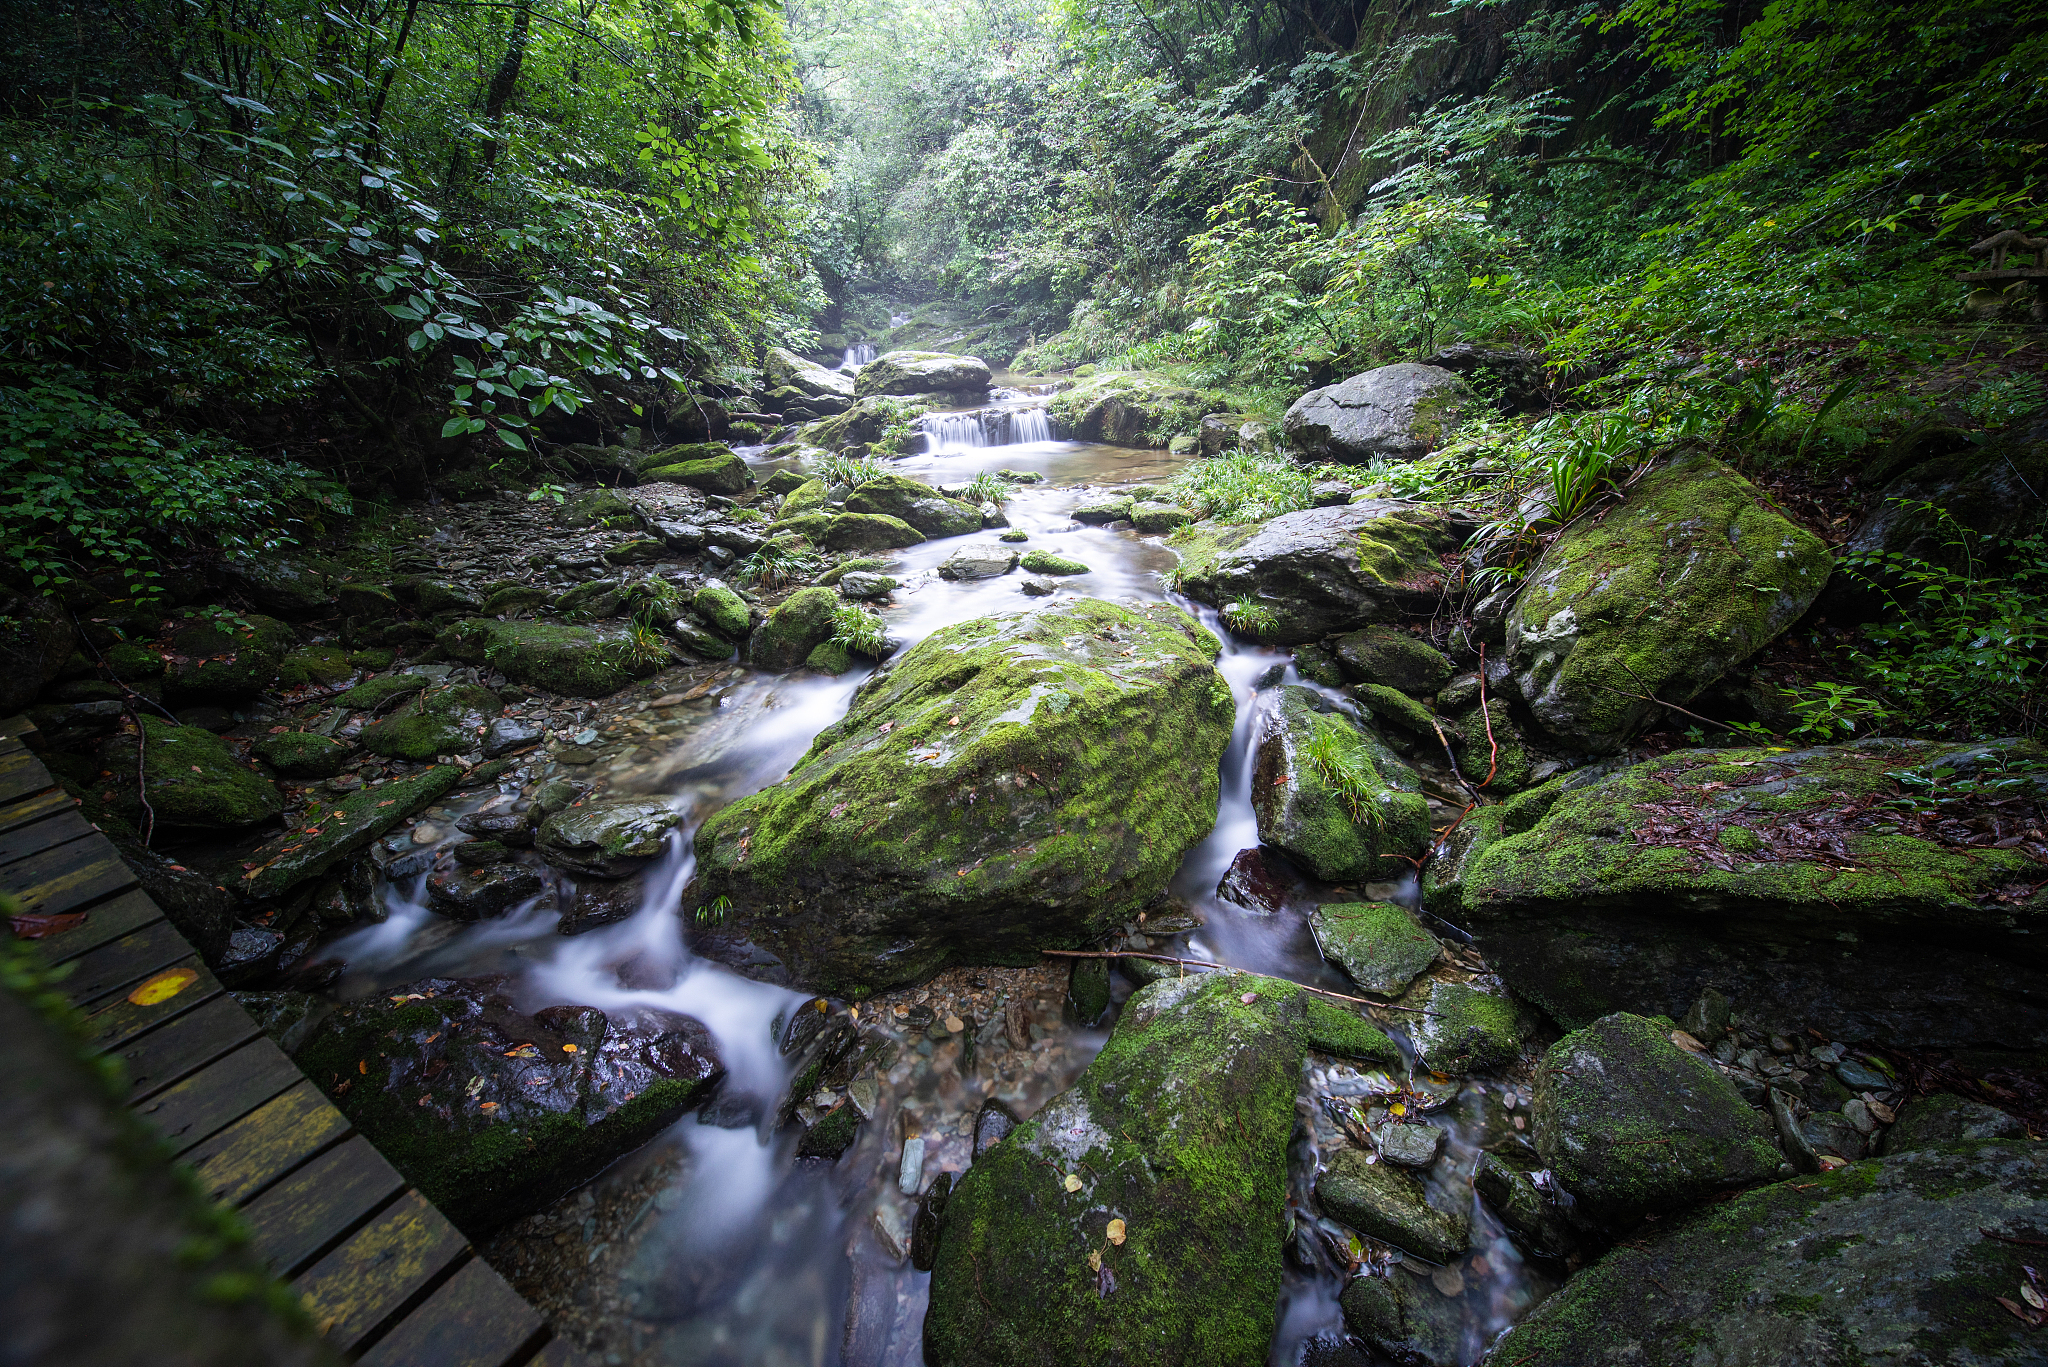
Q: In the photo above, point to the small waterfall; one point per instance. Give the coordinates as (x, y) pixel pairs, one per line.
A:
(953, 431)
(1028, 424)
(984, 427)
(857, 355)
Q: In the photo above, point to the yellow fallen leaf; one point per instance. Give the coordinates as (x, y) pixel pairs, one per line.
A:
(164, 986)
(1399, 1108)
(568, 1048)
(1073, 1182)
(1116, 1232)
(1095, 1261)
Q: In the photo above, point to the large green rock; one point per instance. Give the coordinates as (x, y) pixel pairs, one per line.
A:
(920, 505)
(1406, 1318)
(1331, 796)
(809, 497)
(921, 372)
(1632, 1125)
(866, 532)
(224, 659)
(1885, 1261)
(302, 754)
(723, 610)
(1321, 570)
(491, 1112)
(1014, 781)
(1129, 408)
(710, 466)
(784, 367)
(1779, 878)
(863, 424)
(1465, 1027)
(1179, 1129)
(798, 625)
(1386, 1202)
(441, 721)
(1689, 577)
(348, 828)
(578, 662)
(1387, 655)
(1380, 946)
(194, 780)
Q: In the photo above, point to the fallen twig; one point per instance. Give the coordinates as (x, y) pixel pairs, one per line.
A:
(1492, 745)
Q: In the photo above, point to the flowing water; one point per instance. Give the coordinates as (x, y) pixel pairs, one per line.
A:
(714, 1244)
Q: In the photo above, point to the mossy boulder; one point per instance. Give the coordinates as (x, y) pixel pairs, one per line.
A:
(363, 603)
(1130, 408)
(1384, 1202)
(799, 624)
(1389, 656)
(1046, 562)
(786, 368)
(1331, 796)
(518, 1109)
(371, 692)
(224, 659)
(441, 721)
(1380, 946)
(315, 664)
(920, 505)
(723, 610)
(862, 424)
(513, 598)
(1632, 1125)
(436, 596)
(1322, 570)
(866, 532)
(609, 839)
(1015, 781)
(1179, 1129)
(1406, 1318)
(1154, 518)
(302, 754)
(809, 497)
(348, 828)
(1397, 412)
(1631, 890)
(1689, 577)
(193, 778)
(1465, 1027)
(1944, 1118)
(1892, 1260)
(577, 662)
(600, 508)
(921, 372)
(710, 466)
(297, 587)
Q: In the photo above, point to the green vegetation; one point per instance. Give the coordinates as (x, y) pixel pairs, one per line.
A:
(860, 631)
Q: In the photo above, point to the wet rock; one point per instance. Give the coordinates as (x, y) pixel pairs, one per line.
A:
(514, 598)
(1045, 562)
(1397, 412)
(609, 839)
(477, 854)
(921, 372)
(1102, 512)
(575, 661)
(1257, 884)
(1633, 1126)
(512, 829)
(365, 603)
(1386, 655)
(1410, 1144)
(289, 586)
(979, 560)
(929, 1222)
(708, 466)
(920, 505)
(479, 894)
(1616, 891)
(868, 532)
(1331, 796)
(1088, 989)
(224, 661)
(252, 954)
(784, 367)
(797, 626)
(517, 1109)
(1383, 1202)
(438, 595)
(506, 734)
(1522, 1207)
(1322, 570)
(1197, 1275)
(831, 1136)
(602, 902)
(1944, 1118)
(1380, 946)
(441, 721)
(723, 610)
(1885, 1261)
(641, 550)
(1129, 408)
(1405, 1318)
(1691, 576)
(863, 585)
(193, 778)
(1157, 519)
(1832, 1132)
(1082, 767)
(1469, 1027)
(302, 754)
(1039, 587)
(315, 664)
(599, 507)
(352, 826)
(992, 1125)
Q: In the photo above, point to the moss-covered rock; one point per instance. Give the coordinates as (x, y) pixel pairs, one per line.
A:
(920, 505)
(519, 1109)
(600, 508)
(194, 780)
(1379, 945)
(1046, 562)
(723, 610)
(800, 623)
(1331, 796)
(921, 372)
(1892, 1260)
(1944, 1118)
(1393, 710)
(1179, 1129)
(1493, 745)
(441, 721)
(1692, 575)
(809, 497)
(829, 657)
(316, 664)
(224, 659)
(1130, 408)
(514, 598)
(1381, 1201)
(862, 424)
(371, 692)
(867, 532)
(1397, 412)
(1632, 1125)
(302, 754)
(1624, 894)
(1014, 781)
(607, 839)
(1387, 655)
(1100, 512)
(1321, 570)
(577, 662)
(1405, 1318)
(349, 827)
(1465, 1027)
(711, 466)
(592, 598)
(364, 603)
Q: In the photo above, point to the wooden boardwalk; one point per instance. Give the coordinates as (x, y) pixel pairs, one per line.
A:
(386, 1277)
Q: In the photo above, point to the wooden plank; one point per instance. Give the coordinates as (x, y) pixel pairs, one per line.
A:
(103, 924)
(10, 745)
(561, 1353)
(267, 1143)
(474, 1320)
(215, 1097)
(50, 832)
(322, 1203)
(183, 1046)
(373, 1277)
(68, 878)
(21, 774)
(118, 966)
(126, 1015)
(19, 727)
(35, 807)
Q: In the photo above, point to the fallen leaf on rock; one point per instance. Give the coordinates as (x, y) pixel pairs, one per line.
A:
(1883, 1114)
(1095, 1261)
(1116, 1230)
(1687, 1042)
(568, 1048)
(1073, 1182)
(1249, 997)
(2033, 1298)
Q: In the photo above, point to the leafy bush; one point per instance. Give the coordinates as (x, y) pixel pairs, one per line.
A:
(860, 631)
(851, 471)
(1241, 486)
(782, 561)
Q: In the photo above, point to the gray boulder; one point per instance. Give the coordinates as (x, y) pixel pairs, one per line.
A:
(978, 560)
(921, 372)
(920, 505)
(607, 839)
(1381, 1201)
(1398, 412)
(1944, 1118)
(786, 368)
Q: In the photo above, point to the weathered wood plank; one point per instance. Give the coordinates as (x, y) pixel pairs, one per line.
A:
(69, 878)
(561, 1353)
(370, 1280)
(183, 1046)
(473, 1320)
(209, 1101)
(267, 1143)
(119, 966)
(19, 727)
(183, 986)
(52, 831)
(103, 924)
(10, 745)
(21, 774)
(22, 810)
(317, 1206)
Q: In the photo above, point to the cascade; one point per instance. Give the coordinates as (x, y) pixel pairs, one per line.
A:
(857, 355)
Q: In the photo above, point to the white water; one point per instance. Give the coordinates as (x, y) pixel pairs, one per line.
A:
(857, 355)
(983, 428)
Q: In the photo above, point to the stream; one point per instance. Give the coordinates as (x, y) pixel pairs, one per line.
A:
(714, 1244)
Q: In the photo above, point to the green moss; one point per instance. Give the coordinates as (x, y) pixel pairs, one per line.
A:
(578, 662)
(370, 692)
(225, 660)
(829, 657)
(352, 825)
(1334, 1029)
(868, 532)
(129, 662)
(441, 721)
(371, 657)
(723, 610)
(797, 626)
(321, 664)
(193, 778)
(1395, 708)
(302, 754)
(514, 598)
(809, 497)
(1467, 1029)
(600, 508)
(1380, 946)
(1332, 797)
(1045, 562)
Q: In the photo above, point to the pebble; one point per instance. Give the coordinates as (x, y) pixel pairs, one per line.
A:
(1860, 1077)
(424, 834)
(910, 1173)
(1859, 1115)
